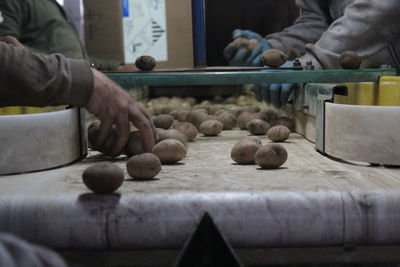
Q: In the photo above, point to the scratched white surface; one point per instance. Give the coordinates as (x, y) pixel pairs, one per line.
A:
(311, 200)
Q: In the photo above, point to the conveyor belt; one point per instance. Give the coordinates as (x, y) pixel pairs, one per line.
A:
(311, 201)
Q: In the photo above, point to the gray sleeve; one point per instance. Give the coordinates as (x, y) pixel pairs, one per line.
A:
(367, 27)
(308, 28)
(15, 252)
(29, 79)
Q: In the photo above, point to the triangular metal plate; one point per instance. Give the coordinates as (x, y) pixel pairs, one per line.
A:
(207, 247)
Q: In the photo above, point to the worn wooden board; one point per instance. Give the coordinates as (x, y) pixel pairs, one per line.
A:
(311, 201)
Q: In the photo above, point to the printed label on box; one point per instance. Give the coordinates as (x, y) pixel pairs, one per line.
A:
(145, 29)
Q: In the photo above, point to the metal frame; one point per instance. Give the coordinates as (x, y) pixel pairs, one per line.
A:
(311, 100)
(128, 80)
(199, 33)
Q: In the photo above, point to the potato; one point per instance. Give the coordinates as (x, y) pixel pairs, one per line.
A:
(191, 100)
(278, 133)
(213, 117)
(112, 137)
(163, 121)
(173, 114)
(274, 57)
(182, 115)
(157, 109)
(257, 127)
(171, 134)
(271, 156)
(246, 117)
(145, 63)
(134, 145)
(167, 109)
(270, 115)
(285, 121)
(214, 108)
(93, 131)
(196, 118)
(243, 151)
(250, 109)
(221, 111)
(349, 60)
(202, 109)
(228, 120)
(253, 139)
(205, 103)
(145, 166)
(230, 100)
(169, 151)
(188, 129)
(103, 177)
(211, 128)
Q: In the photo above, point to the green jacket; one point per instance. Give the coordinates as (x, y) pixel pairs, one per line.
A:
(44, 27)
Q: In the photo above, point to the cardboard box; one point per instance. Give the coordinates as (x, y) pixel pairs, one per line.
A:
(126, 29)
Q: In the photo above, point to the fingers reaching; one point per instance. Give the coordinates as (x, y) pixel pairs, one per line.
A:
(123, 127)
(145, 126)
(105, 129)
(116, 109)
(287, 89)
(275, 94)
(240, 58)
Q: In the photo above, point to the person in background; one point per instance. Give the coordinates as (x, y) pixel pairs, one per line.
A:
(44, 27)
(324, 30)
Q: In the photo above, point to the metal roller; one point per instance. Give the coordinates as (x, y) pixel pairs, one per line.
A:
(33, 142)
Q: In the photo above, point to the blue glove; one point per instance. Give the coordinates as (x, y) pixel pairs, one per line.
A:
(245, 57)
(277, 94)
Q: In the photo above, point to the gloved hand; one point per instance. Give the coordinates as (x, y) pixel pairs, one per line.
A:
(243, 56)
(277, 94)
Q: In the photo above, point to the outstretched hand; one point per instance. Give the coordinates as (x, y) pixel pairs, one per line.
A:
(276, 94)
(113, 106)
(246, 56)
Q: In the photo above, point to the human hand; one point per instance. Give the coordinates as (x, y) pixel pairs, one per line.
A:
(115, 107)
(277, 93)
(250, 56)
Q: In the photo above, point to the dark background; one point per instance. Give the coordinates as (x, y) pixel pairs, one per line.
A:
(261, 16)
(222, 17)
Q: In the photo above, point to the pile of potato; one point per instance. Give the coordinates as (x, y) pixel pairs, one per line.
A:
(180, 120)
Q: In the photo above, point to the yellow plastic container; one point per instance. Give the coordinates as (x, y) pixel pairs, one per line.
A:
(386, 92)
(16, 110)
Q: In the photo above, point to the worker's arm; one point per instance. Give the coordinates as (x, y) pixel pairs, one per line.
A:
(308, 28)
(367, 27)
(38, 80)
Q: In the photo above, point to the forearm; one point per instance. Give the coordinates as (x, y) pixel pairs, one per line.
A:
(308, 28)
(367, 27)
(37, 80)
